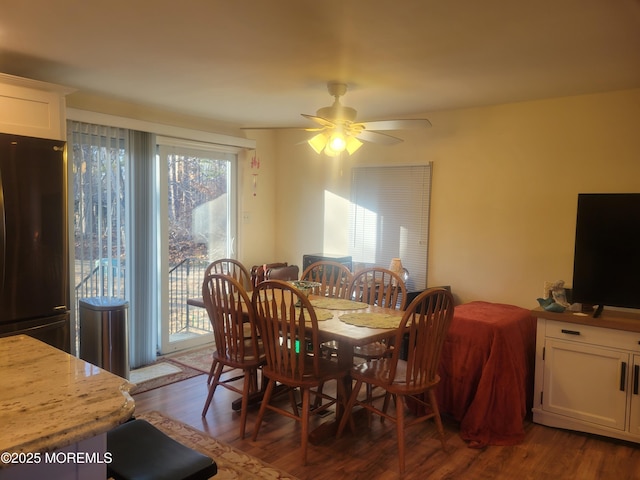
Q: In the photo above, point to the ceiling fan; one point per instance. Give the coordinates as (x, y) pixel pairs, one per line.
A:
(339, 131)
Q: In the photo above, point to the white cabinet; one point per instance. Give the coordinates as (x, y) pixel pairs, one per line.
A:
(580, 381)
(32, 108)
(634, 410)
(587, 376)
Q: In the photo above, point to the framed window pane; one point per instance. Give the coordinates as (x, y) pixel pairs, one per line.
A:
(199, 227)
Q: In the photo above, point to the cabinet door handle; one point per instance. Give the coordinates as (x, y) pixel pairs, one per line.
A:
(623, 375)
(636, 374)
(570, 332)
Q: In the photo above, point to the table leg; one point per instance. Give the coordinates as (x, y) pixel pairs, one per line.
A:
(329, 429)
(345, 360)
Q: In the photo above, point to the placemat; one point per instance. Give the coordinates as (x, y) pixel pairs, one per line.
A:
(337, 304)
(322, 314)
(371, 320)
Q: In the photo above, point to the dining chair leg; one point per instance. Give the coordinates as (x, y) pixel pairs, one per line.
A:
(263, 407)
(385, 405)
(217, 369)
(211, 371)
(294, 402)
(436, 417)
(263, 380)
(253, 377)
(318, 401)
(306, 404)
(400, 431)
(246, 388)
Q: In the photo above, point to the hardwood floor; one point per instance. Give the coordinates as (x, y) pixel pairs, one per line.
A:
(546, 453)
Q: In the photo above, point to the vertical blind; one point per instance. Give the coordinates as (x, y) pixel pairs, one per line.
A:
(143, 318)
(389, 218)
(112, 249)
(98, 155)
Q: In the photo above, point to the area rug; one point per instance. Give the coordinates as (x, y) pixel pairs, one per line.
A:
(176, 373)
(198, 358)
(232, 463)
(153, 371)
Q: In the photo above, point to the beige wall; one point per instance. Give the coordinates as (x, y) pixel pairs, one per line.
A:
(504, 192)
(256, 225)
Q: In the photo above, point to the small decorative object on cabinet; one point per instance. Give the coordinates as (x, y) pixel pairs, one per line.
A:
(587, 373)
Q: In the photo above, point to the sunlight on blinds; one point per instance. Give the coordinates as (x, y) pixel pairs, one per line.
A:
(389, 218)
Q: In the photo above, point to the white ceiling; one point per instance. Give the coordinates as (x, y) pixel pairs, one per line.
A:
(263, 62)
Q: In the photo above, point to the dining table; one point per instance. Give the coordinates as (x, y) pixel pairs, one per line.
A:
(349, 324)
(367, 324)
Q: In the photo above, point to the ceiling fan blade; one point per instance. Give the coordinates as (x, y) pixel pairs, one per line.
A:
(274, 128)
(376, 137)
(322, 121)
(305, 129)
(400, 124)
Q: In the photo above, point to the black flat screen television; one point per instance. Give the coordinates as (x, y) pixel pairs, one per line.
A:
(606, 268)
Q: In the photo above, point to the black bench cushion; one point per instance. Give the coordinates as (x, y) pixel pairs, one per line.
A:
(142, 452)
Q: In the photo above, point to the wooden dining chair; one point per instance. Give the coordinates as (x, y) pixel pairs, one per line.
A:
(238, 347)
(425, 322)
(378, 286)
(334, 278)
(290, 337)
(384, 288)
(233, 268)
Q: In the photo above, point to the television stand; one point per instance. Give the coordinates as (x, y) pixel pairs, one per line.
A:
(587, 373)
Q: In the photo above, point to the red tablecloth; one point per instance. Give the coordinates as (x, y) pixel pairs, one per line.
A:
(487, 370)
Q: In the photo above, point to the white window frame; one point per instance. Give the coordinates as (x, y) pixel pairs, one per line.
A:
(165, 146)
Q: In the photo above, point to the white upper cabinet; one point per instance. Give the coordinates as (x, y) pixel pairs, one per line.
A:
(32, 108)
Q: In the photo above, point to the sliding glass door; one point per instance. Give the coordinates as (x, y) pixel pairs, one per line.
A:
(197, 225)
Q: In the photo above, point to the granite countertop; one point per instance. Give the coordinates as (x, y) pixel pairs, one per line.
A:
(50, 399)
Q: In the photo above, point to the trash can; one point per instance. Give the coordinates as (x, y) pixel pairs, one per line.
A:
(104, 334)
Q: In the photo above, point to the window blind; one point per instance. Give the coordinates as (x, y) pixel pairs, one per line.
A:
(389, 218)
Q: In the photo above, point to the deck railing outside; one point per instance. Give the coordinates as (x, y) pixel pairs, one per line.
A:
(185, 282)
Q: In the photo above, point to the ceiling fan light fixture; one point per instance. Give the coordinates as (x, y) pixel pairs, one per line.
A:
(318, 142)
(337, 142)
(353, 144)
(334, 144)
(337, 130)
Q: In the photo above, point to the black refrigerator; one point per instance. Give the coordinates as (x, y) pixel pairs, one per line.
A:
(34, 259)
